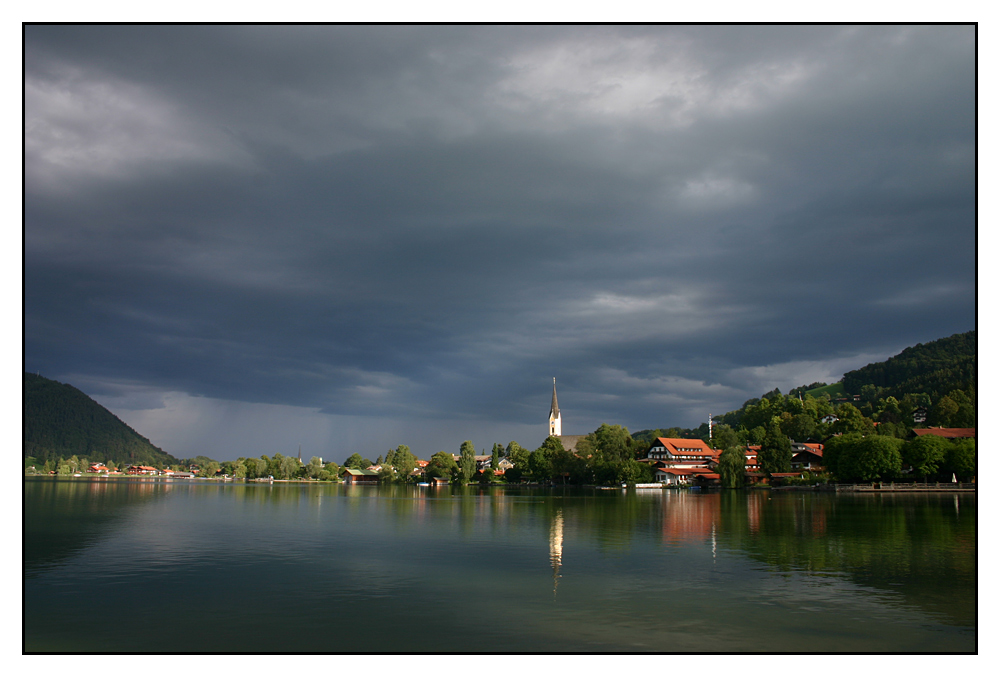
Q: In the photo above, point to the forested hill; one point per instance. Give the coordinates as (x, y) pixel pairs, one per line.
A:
(60, 421)
(936, 378)
(934, 368)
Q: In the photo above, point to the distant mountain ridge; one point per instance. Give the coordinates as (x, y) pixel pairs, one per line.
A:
(60, 421)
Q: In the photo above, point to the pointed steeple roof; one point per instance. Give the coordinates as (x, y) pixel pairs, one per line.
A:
(554, 410)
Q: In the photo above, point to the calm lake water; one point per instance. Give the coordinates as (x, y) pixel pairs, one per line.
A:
(183, 566)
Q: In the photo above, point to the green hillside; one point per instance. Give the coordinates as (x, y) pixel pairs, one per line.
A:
(834, 390)
(934, 368)
(59, 421)
(937, 377)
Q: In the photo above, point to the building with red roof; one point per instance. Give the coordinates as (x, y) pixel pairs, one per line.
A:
(142, 470)
(674, 451)
(674, 476)
(947, 433)
(681, 461)
(807, 456)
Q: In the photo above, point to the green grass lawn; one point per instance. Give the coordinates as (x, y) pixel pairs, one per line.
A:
(834, 390)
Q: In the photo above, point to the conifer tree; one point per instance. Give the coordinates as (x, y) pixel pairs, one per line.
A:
(467, 464)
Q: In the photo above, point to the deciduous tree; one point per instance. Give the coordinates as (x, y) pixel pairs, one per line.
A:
(943, 412)
(925, 454)
(732, 467)
(314, 467)
(961, 459)
(632, 471)
(613, 442)
(869, 459)
(209, 469)
(288, 467)
(441, 464)
(357, 462)
(517, 455)
(566, 466)
(850, 420)
(775, 453)
(538, 464)
(724, 437)
(799, 427)
(403, 462)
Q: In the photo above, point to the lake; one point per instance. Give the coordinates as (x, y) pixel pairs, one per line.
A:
(123, 565)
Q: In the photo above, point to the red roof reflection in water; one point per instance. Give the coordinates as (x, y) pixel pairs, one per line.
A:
(688, 518)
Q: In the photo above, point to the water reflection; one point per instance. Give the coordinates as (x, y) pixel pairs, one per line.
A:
(692, 570)
(97, 507)
(689, 518)
(918, 548)
(556, 548)
(713, 543)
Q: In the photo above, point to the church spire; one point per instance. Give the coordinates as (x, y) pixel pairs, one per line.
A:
(555, 418)
(554, 410)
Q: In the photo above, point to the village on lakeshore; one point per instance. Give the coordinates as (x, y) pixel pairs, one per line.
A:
(903, 424)
(610, 456)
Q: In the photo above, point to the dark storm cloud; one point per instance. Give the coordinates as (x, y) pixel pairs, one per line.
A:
(432, 221)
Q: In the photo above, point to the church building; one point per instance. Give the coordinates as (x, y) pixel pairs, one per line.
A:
(555, 423)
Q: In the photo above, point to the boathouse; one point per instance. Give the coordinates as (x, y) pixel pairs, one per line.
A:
(355, 476)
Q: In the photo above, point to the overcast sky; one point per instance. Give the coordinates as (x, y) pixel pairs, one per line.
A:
(246, 239)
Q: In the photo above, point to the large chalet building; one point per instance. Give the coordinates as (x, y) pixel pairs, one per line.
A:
(679, 461)
(682, 452)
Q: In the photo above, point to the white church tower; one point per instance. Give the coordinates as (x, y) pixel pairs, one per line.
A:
(555, 420)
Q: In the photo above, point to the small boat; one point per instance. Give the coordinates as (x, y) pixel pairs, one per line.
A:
(423, 484)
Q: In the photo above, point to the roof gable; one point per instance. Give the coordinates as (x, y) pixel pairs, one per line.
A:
(684, 447)
(356, 472)
(818, 453)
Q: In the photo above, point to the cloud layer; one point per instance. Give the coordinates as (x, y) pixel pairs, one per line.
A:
(420, 226)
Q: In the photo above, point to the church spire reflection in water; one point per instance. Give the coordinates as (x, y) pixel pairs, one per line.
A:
(555, 548)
